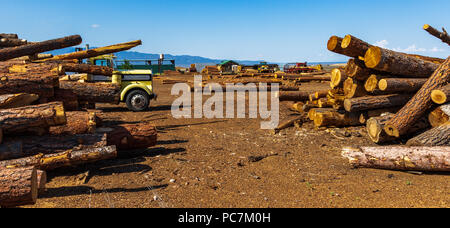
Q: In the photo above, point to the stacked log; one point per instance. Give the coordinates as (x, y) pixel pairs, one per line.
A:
(37, 133)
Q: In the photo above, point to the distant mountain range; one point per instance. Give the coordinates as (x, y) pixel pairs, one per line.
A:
(180, 60)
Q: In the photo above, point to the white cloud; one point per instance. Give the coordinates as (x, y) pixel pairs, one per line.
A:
(382, 43)
(435, 49)
(95, 26)
(412, 48)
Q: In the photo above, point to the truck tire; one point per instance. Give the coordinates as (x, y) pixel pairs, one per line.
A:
(138, 101)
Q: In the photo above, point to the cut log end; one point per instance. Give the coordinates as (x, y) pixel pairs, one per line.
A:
(333, 43)
(392, 131)
(371, 83)
(346, 41)
(439, 97)
(382, 85)
(373, 57)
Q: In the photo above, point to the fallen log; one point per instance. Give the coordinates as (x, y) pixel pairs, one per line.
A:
(438, 34)
(375, 128)
(336, 119)
(376, 113)
(441, 95)
(93, 92)
(440, 115)
(398, 63)
(9, 36)
(400, 158)
(17, 100)
(34, 57)
(85, 68)
(401, 85)
(65, 159)
(419, 104)
(97, 51)
(35, 118)
(312, 113)
(77, 123)
(130, 136)
(338, 78)
(8, 42)
(17, 83)
(41, 181)
(293, 96)
(288, 123)
(35, 48)
(68, 98)
(354, 88)
(354, 47)
(438, 136)
(375, 102)
(18, 187)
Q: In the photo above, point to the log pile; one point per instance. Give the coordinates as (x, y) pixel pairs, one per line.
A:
(42, 127)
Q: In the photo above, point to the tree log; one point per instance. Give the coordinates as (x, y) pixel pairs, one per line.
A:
(354, 47)
(400, 158)
(375, 102)
(357, 69)
(32, 118)
(354, 88)
(376, 113)
(440, 115)
(7, 42)
(98, 51)
(401, 85)
(440, 35)
(419, 104)
(335, 45)
(293, 96)
(11, 150)
(85, 68)
(17, 83)
(94, 92)
(65, 159)
(77, 123)
(371, 84)
(441, 95)
(17, 100)
(398, 63)
(9, 36)
(35, 48)
(42, 181)
(18, 187)
(131, 136)
(336, 119)
(338, 78)
(438, 136)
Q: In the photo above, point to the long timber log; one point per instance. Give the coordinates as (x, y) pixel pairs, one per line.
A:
(400, 158)
(419, 104)
(438, 34)
(336, 119)
(42, 85)
(401, 85)
(35, 48)
(130, 136)
(85, 68)
(438, 136)
(93, 92)
(354, 47)
(77, 123)
(375, 102)
(17, 100)
(18, 187)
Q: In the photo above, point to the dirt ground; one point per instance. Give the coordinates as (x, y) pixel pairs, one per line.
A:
(233, 163)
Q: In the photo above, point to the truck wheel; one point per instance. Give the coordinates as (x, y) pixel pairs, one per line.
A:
(138, 101)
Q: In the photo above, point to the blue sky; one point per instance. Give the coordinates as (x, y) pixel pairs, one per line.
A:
(273, 30)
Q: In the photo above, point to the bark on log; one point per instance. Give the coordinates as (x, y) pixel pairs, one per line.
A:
(438, 136)
(35, 57)
(419, 104)
(98, 51)
(7, 42)
(17, 83)
(312, 113)
(41, 181)
(18, 187)
(401, 85)
(293, 96)
(440, 115)
(357, 69)
(441, 95)
(354, 88)
(376, 113)
(94, 92)
(131, 136)
(438, 34)
(17, 100)
(375, 102)
(288, 123)
(32, 118)
(68, 98)
(354, 47)
(400, 158)
(336, 119)
(335, 44)
(65, 159)
(31, 49)
(85, 68)
(77, 123)
(338, 78)
(34, 68)
(398, 63)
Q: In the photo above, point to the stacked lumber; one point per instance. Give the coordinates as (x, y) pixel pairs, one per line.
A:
(41, 125)
(210, 70)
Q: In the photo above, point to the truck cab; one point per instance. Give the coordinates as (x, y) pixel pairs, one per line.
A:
(136, 84)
